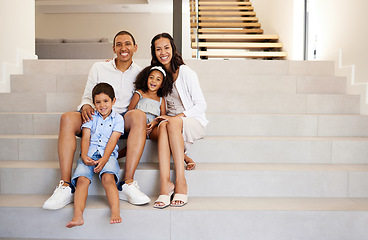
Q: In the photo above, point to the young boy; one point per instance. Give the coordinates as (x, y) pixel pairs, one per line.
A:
(99, 154)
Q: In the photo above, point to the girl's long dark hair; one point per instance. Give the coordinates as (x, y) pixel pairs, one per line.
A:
(176, 60)
(141, 82)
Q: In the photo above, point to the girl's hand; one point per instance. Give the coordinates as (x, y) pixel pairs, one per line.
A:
(100, 163)
(88, 161)
(151, 126)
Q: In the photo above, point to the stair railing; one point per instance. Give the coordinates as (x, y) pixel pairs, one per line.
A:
(194, 5)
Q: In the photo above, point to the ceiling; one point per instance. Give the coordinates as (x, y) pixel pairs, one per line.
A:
(103, 6)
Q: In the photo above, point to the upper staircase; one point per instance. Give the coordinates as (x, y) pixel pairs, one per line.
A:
(230, 29)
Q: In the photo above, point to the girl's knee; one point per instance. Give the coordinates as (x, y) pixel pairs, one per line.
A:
(136, 115)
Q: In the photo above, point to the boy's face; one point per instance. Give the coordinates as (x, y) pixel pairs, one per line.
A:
(103, 104)
(124, 48)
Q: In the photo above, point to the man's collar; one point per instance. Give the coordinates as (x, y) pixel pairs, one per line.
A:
(114, 64)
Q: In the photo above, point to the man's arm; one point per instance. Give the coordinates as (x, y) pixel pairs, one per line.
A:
(86, 106)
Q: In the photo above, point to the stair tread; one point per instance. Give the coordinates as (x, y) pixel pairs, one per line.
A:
(222, 138)
(209, 203)
(236, 45)
(283, 167)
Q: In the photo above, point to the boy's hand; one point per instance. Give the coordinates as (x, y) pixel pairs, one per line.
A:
(100, 163)
(88, 161)
(87, 112)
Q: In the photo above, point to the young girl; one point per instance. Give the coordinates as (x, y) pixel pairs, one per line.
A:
(152, 85)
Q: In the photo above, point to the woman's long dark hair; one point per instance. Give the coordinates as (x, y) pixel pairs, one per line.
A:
(176, 60)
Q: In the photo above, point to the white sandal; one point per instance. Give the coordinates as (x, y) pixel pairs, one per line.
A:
(165, 199)
(179, 197)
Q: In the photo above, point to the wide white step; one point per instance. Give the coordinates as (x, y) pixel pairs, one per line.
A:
(311, 125)
(239, 180)
(251, 67)
(210, 82)
(282, 103)
(228, 102)
(208, 218)
(321, 150)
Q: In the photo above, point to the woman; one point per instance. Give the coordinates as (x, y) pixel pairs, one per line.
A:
(185, 120)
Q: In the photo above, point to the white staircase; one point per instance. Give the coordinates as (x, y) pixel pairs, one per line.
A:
(285, 157)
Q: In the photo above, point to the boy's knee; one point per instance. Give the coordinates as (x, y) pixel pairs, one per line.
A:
(107, 178)
(83, 181)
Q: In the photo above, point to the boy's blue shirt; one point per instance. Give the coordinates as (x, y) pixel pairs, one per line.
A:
(101, 131)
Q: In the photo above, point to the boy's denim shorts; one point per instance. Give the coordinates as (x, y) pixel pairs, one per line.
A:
(82, 170)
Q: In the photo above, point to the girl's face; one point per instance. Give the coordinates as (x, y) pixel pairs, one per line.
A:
(155, 80)
(163, 51)
(103, 104)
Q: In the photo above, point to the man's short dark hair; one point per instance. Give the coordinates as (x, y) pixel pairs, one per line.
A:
(103, 88)
(124, 33)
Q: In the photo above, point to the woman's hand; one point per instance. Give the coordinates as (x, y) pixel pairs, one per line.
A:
(162, 118)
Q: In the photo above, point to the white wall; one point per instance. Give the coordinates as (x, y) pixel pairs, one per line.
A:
(17, 26)
(343, 25)
(337, 23)
(285, 18)
(143, 27)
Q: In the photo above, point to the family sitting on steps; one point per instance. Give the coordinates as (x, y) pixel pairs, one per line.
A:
(162, 102)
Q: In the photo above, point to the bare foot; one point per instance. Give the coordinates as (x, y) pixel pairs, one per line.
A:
(75, 222)
(115, 218)
(190, 163)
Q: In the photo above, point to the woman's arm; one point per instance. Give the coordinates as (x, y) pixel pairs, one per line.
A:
(163, 107)
(193, 93)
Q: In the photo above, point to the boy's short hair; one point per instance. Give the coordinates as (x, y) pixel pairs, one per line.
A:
(103, 88)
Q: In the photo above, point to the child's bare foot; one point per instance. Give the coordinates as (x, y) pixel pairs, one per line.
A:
(75, 222)
(190, 163)
(115, 219)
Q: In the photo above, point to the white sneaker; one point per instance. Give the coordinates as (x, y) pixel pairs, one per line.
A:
(131, 193)
(60, 198)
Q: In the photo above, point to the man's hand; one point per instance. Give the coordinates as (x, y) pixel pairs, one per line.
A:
(87, 112)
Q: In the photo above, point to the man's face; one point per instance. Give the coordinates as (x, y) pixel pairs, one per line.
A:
(124, 48)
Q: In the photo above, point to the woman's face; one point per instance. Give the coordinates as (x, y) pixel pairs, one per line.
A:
(163, 51)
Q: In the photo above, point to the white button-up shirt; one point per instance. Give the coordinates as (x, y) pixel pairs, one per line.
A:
(101, 131)
(122, 82)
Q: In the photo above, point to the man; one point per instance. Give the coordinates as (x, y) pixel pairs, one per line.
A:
(120, 73)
